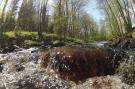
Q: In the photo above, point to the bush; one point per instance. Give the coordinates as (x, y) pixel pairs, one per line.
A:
(127, 71)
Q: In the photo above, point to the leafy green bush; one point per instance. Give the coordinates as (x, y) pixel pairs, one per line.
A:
(127, 71)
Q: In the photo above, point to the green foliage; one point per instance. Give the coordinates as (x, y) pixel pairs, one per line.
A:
(100, 35)
(26, 16)
(69, 21)
(89, 27)
(127, 71)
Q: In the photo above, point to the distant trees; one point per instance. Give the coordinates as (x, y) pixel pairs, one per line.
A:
(89, 26)
(43, 17)
(67, 19)
(26, 16)
(2, 18)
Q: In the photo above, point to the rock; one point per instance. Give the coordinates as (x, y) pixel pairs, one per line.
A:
(123, 43)
(19, 68)
(58, 44)
(78, 64)
(1, 67)
(117, 56)
(26, 83)
(10, 48)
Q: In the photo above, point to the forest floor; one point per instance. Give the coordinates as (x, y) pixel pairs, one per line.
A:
(21, 70)
(26, 39)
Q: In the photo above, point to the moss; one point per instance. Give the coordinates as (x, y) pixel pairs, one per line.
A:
(133, 34)
(31, 38)
(127, 71)
(31, 43)
(9, 34)
(24, 34)
(50, 37)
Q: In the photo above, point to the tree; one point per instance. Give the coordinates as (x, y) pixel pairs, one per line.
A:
(89, 26)
(43, 18)
(118, 14)
(26, 16)
(2, 18)
(67, 17)
(11, 14)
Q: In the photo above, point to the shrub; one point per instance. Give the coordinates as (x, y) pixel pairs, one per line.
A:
(127, 71)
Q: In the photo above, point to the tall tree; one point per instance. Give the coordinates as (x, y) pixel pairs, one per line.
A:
(2, 18)
(89, 26)
(26, 16)
(67, 17)
(43, 18)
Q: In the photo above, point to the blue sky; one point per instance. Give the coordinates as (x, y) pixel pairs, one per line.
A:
(92, 9)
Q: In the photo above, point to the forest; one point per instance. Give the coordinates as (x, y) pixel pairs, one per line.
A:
(35, 21)
(66, 44)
